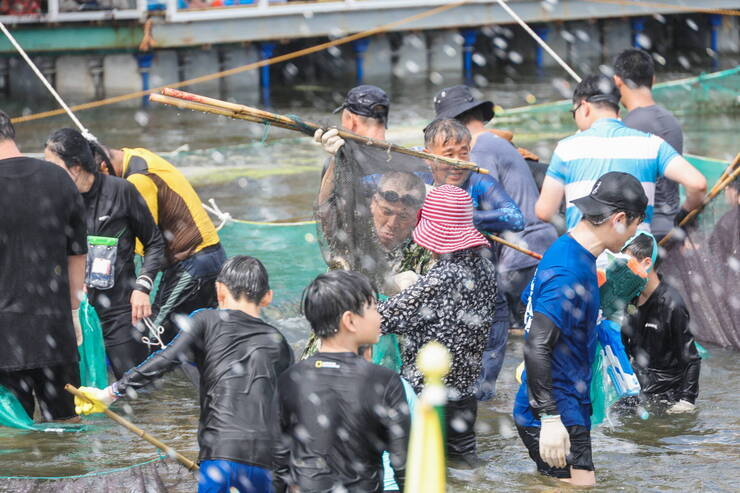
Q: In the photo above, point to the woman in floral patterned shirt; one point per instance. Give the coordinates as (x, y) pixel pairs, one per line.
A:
(452, 304)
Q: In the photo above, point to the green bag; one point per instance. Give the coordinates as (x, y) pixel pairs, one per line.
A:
(93, 369)
(602, 392)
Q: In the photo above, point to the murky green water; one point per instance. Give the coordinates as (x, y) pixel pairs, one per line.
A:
(277, 180)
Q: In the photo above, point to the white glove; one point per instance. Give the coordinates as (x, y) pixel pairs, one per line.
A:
(554, 441)
(405, 279)
(77, 325)
(681, 407)
(329, 140)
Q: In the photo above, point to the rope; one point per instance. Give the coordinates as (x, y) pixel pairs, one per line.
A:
(85, 132)
(89, 474)
(539, 40)
(250, 66)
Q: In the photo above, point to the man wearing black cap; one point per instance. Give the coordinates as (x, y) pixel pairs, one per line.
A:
(552, 409)
(606, 144)
(508, 167)
(364, 112)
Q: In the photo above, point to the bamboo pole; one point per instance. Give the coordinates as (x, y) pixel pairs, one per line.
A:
(718, 187)
(514, 246)
(189, 464)
(242, 112)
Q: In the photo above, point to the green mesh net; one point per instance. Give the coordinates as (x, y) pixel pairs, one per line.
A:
(716, 92)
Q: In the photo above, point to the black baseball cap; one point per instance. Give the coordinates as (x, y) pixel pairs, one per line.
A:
(369, 101)
(452, 102)
(614, 191)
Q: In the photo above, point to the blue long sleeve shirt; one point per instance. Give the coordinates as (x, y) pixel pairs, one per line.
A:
(495, 210)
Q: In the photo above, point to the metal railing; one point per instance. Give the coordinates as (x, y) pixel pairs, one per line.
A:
(54, 14)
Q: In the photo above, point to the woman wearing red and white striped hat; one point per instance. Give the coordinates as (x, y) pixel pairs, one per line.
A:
(452, 304)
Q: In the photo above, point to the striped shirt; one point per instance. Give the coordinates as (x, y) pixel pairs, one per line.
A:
(609, 145)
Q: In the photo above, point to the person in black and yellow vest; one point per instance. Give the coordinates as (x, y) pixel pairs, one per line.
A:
(193, 250)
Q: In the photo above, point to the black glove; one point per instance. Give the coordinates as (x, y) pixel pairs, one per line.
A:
(682, 213)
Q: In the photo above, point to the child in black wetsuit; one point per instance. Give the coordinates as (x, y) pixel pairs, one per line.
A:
(657, 337)
(338, 412)
(239, 358)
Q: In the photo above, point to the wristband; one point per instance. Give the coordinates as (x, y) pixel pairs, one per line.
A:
(144, 284)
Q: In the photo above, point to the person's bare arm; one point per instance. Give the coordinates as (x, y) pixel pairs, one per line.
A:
(76, 273)
(683, 173)
(550, 198)
(327, 183)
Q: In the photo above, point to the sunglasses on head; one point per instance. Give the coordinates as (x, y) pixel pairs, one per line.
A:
(393, 197)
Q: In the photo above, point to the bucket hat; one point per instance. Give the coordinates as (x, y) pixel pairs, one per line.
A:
(452, 102)
(446, 221)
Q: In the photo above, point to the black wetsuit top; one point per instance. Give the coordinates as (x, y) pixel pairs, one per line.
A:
(338, 413)
(115, 209)
(239, 358)
(658, 340)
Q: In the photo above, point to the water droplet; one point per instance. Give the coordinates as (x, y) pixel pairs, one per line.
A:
(643, 41)
(436, 78)
(515, 57)
(692, 24)
(479, 59)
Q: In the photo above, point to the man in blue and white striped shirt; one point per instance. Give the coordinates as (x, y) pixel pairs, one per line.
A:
(605, 144)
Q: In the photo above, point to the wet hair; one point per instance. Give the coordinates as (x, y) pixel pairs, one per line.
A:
(245, 277)
(598, 90)
(477, 113)
(73, 149)
(330, 295)
(641, 247)
(403, 182)
(101, 155)
(451, 131)
(7, 130)
(635, 67)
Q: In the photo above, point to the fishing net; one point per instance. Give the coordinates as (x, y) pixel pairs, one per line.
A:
(368, 211)
(705, 266)
(158, 475)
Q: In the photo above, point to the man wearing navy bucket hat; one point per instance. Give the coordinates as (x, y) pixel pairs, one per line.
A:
(451, 304)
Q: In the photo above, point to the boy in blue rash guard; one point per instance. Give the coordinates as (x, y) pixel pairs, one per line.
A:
(552, 408)
(240, 358)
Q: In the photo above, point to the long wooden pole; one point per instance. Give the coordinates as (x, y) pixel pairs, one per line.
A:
(189, 464)
(242, 112)
(514, 246)
(721, 185)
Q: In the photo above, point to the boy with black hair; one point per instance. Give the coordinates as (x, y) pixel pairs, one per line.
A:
(338, 412)
(657, 336)
(634, 75)
(552, 409)
(239, 357)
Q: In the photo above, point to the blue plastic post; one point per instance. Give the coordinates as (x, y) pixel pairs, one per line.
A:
(638, 27)
(144, 61)
(539, 54)
(469, 36)
(360, 47)
(266, 50)
(715, 21)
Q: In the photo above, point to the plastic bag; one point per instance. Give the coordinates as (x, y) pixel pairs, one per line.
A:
(100, 266)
